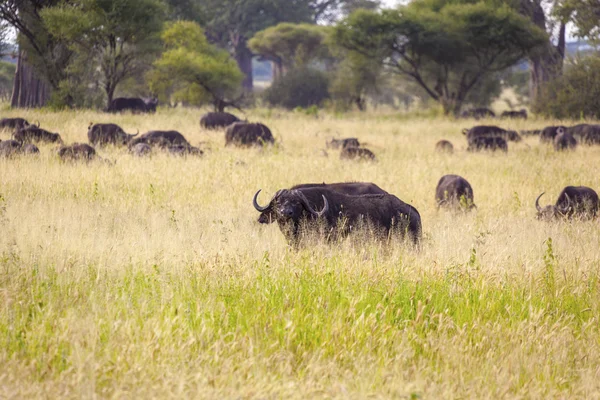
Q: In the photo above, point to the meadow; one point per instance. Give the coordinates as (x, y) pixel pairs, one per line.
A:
(150, 278)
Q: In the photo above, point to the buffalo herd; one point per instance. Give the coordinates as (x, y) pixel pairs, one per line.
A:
(336, 209)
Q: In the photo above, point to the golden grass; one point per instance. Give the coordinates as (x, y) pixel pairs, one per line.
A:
(152, 278)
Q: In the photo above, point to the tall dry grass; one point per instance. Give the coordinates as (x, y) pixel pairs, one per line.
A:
(151, 278)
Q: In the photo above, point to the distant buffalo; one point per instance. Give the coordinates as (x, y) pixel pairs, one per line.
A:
(246, 134)
(342, 143)
(478, 113)
(573, 201)
(77, 152)
(487, 143)
(183, 150)
(217, 120)
(383, 213)
(549, 133)
(564, 141)
(454, 191)
(577, 130)
(530, 132)
(161, 139)
(31, 149)
(491, 131)
(15, 123)
(514, 114)
(314, 196)
(10, 148)
(133, 104)
(590, 135)
(354, 153)
(141, 149)
(33, 134)
(444, 146)
(103, 134)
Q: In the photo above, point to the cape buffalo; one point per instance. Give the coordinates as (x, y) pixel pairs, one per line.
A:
(314, 196)
(514, 114)
(141, 150)
(549, 133)
(352, 153)
(103, 134)
(77, 152)
(183, 150)
(577, 130)
(580, 201)
(14, 123)
(478, 113)
(444, 146)
(133, 104)
(9, 148)
(491, 131)
(590, 135)
(217, 120)
(161, 139)
(564, 141)
(33, 134)
(31, 149)
(487, 143)
(342, 143)
(343, 213)
(454, 191)
(247, 134)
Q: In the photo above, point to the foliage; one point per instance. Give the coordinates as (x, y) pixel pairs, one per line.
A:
(7, 76)
(576, 94)
(447, 52)
(193, 70)
(586, 18)
(302, 87)
(355, 78)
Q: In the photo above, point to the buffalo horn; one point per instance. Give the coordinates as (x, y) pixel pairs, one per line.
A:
(563, 210)
(537, 202)
(255, 203)
(317, 214)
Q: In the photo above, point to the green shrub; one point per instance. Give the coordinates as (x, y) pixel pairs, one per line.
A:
(299, 88)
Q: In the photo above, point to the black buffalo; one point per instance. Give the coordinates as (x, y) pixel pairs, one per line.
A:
(15, 123)
(354, 153)
(342, 213)
(573, 201)
(77, 152)
(564, 141)
(183, 150)
(103, 134)
(342, 143)
(478, 113)
(514, 114)
(33, 134)
(31, 149)
(133, 104)
(590, 135)
(549, 133)
(246, 134)
(161, 139)
(577, 130)
(491, 131)
(141, 149)
(444, 146)
(9, 148)
(454, 191)
(315, 199)
(487, 143)
(217, 120)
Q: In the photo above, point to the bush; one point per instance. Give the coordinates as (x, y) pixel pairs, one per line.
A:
(299, 88)
(574, 95)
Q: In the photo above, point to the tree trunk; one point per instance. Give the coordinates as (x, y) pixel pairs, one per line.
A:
(29, 91)
(243, 56)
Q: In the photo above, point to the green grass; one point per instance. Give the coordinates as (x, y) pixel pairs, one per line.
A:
(151, 278)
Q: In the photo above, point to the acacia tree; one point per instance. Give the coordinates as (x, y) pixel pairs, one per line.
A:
(119, 36)
(193, 70)
(447, 51)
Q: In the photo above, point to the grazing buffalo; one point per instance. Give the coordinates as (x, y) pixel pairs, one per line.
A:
(77, 152)
(360, 153)
(478, 113)
(577, 130)
(514, 114)
(454, 191)
(564, 141)
(444, 146)
(133, 104)
(573, 201)
(14, 123)
(246, 134)
(549, 133)
(9, 148)
(103, 134)
(31, 149)
(487, 143)
(141, 149)
(590, 135)
(217, 120)
(531, 132)
(161, 139)
(33, 134)
(342, 143)
(491, 131)
(314, 198)
(183, 150)
(343, 213)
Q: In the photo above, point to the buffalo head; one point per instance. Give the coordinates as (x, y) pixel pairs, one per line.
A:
(288, 206)
(552, 211)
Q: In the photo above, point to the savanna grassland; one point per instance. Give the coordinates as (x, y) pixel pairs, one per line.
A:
(151, 278)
